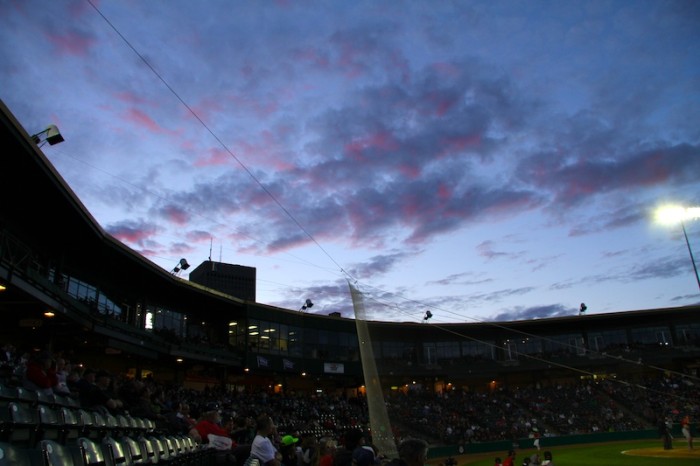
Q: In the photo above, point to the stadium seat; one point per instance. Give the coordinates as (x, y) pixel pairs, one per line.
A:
(27, 396)
(12, 455)
(72, 426)
(118, 453)
(92, 452)
(149, 449)
(134, 449)
(90, 428)
(22, 425)
(55, 454)
(43, 397)
(50, 423)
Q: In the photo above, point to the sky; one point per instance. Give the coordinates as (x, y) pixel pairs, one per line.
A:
(483, 160)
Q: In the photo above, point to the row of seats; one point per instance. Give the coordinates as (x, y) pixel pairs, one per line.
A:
(15, 393)
(39, 429)
(110, 451)
(25, 424)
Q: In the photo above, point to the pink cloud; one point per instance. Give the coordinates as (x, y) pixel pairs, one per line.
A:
(216, 156)
(176, 215)
(382, 140)
(140, 118)
(71, 43)
(129, 98)
(268, 151)
(132, 234)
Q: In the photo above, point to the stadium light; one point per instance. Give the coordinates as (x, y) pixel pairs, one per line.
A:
(670, 215)
(307, 304)
(51, 135)
(182, 265)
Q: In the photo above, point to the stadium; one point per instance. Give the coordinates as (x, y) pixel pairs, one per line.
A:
(69, 288)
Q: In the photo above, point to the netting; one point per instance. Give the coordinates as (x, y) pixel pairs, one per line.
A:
(382, 435)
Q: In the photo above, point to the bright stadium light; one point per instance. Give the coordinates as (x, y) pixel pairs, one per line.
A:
(671, 215)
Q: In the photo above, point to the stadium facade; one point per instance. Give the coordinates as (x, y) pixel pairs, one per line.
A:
(114, 309)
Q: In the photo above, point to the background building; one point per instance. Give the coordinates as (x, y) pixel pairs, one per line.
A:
(235, 280)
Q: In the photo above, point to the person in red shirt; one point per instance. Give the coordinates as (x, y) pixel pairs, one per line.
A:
(685, 428)
(211, 431)
(510, 459)
(41, 373)
(328, 448)
(210, 423)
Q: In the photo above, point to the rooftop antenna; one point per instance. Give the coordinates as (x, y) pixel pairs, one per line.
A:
(211, 244)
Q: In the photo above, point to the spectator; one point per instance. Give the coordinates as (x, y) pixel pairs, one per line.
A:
(510, 459)
(547, 461)
(211, 432)
(41, 373)
(328, 449)
(210, 423)
(62, 372)
(262, 447)
(95, 394)
(243, 430)
(685, 428)
(179, 421)
(288, 451)
(412, 452)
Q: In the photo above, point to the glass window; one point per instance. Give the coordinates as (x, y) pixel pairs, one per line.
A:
(651, 336)
(447, 350)
(562, 344)
(253, 334)
(294, 343)
(607, 340)
(478, 349)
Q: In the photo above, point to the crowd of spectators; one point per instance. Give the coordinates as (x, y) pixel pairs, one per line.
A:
(451, 417)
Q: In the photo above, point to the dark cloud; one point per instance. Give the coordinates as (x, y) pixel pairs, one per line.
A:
(379, 264)
(133, 231)
(534, 312)
(574, 181)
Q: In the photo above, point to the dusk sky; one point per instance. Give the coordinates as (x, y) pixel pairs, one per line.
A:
(484, 160)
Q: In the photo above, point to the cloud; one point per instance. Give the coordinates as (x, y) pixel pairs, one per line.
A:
(534, 312)
(133, 231)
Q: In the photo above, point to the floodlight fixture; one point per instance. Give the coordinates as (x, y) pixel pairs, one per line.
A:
(428, 315)
(307, 304)
(51, 135)
(181, 265)
(677, 214)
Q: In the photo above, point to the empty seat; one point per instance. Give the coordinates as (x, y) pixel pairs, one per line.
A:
(44, 397)
(50, 423)
(92, 452)
(27, 396)
(22, 424)
(134, 449)
(118, 453)
(66, 400)
(161, 448)
(72, 427)
(55, 454)
(13, 455)
(149, 449)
